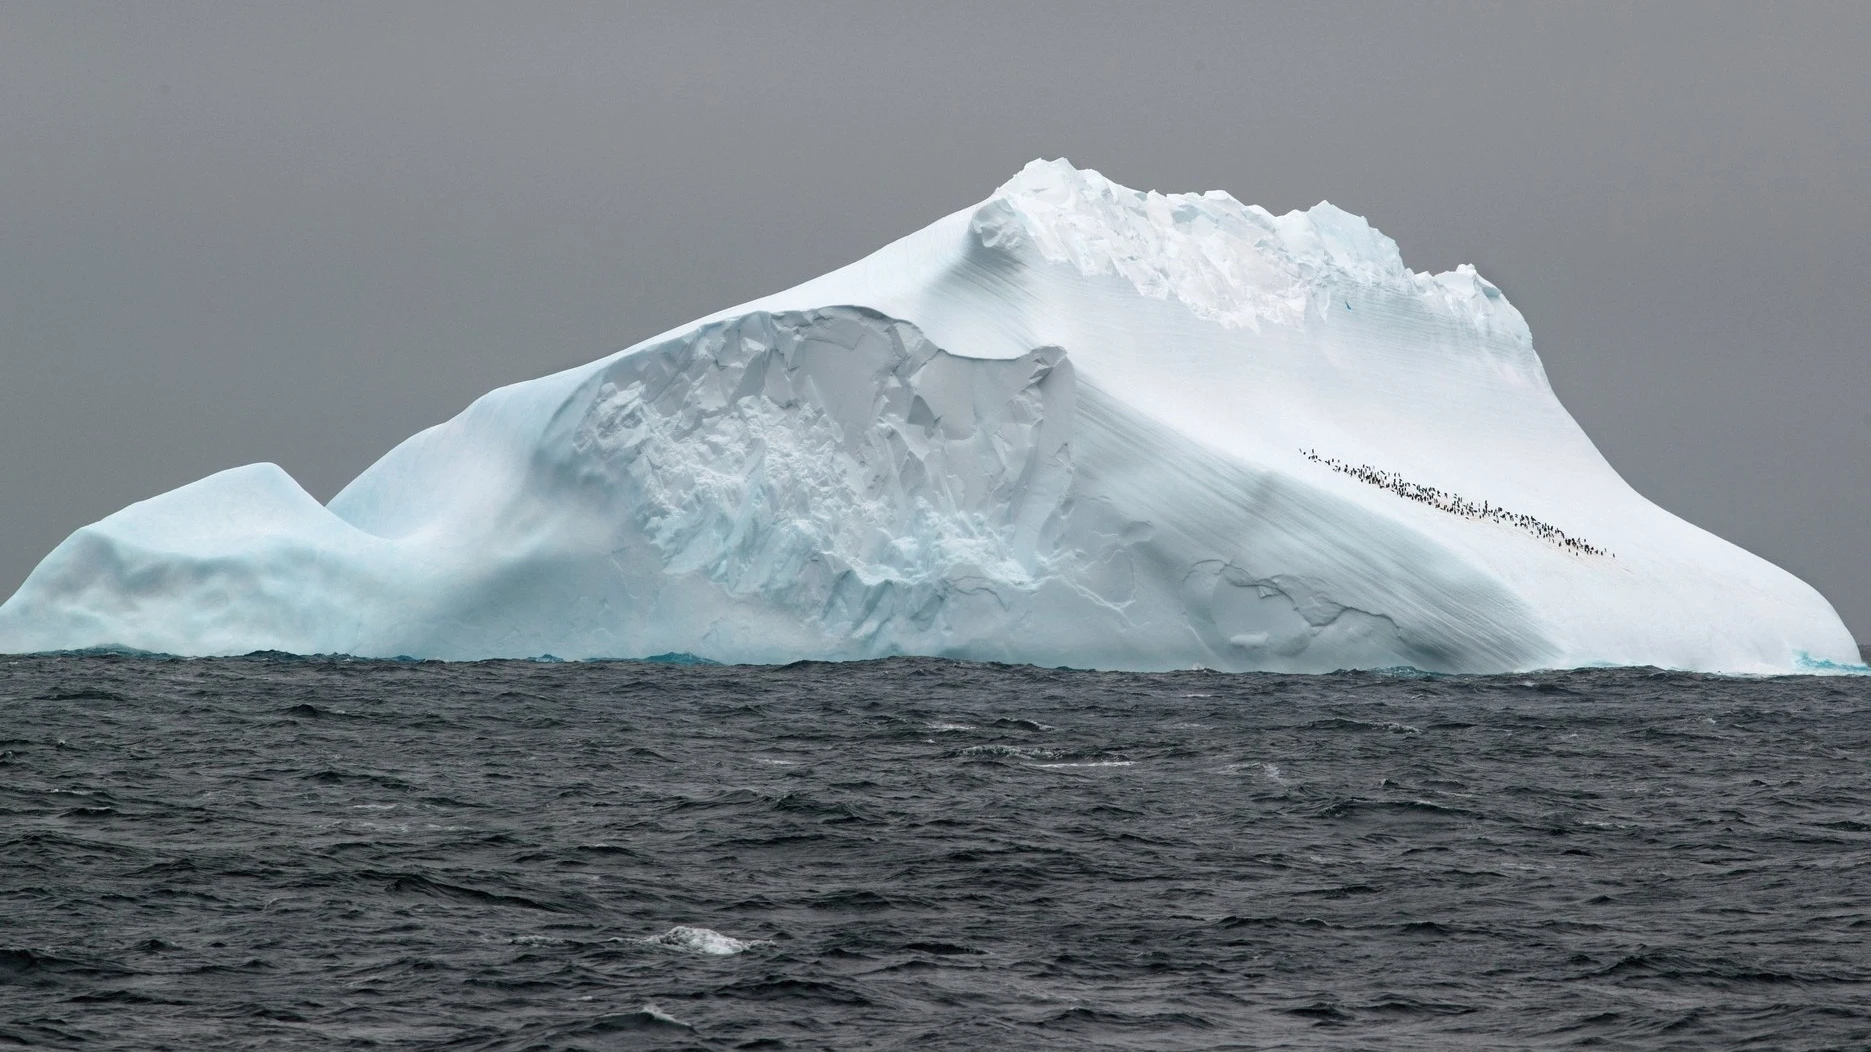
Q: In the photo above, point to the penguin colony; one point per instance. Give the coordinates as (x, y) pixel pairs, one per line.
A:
(1455, 505)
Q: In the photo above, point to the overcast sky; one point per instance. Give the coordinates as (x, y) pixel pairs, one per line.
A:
(300, 232)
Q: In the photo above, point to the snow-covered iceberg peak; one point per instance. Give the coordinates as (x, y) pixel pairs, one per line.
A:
(1074, 424)
(1229, 262)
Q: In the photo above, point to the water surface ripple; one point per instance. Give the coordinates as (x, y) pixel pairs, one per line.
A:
(922, 854)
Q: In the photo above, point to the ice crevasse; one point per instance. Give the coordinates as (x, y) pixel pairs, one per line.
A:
(1076, 424)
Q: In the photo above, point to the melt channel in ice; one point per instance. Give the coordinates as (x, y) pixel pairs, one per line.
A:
(1074, 425)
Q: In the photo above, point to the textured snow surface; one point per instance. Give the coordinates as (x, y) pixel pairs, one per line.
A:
(1076, 424)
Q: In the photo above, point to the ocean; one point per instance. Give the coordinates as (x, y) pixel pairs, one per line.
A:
(284, 853)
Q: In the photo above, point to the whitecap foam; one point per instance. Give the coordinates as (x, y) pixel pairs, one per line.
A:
(1023, 724)
(657, 1015)
(1012, 751)
(702, 940)
(1090, 763)
(1271, 771)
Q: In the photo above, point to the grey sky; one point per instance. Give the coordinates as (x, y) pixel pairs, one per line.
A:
(299, 233)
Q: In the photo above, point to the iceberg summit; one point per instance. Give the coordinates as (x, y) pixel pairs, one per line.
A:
(1073, 425)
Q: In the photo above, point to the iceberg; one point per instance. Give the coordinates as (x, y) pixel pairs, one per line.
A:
(1077, 424)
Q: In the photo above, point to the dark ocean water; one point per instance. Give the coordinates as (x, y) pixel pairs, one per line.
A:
(282, 854)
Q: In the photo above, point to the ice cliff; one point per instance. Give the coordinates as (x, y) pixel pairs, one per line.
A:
(1076, 424)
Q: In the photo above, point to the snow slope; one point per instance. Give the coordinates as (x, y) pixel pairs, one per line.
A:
(1076, 424)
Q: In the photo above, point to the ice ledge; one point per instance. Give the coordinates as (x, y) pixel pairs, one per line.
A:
(1229, 262)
